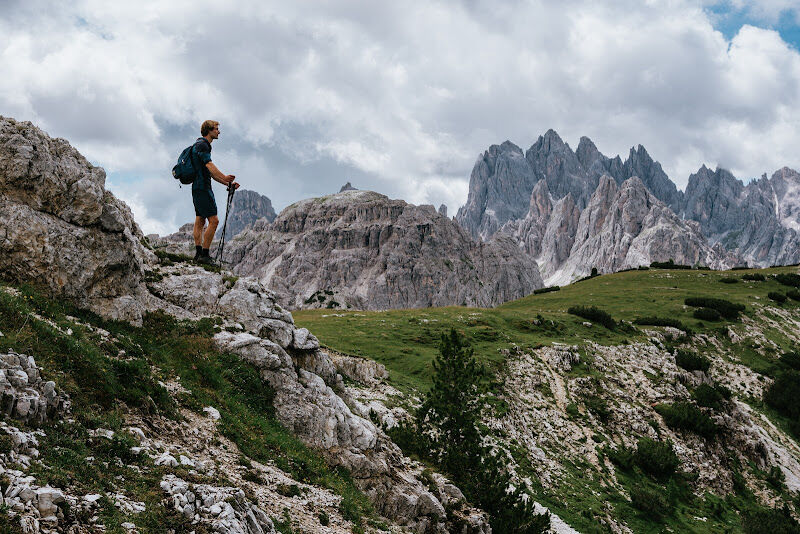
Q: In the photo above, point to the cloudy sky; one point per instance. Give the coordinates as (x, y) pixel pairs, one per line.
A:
(398, 97)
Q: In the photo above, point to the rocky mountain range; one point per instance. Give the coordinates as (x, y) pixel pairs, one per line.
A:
(361, 249)
(539, 196)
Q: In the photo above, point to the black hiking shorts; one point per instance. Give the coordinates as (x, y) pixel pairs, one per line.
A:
(204, 204)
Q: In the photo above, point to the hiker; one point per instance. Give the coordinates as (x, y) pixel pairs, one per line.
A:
(205, 207)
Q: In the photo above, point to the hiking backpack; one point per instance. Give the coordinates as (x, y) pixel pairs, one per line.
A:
(184, 170)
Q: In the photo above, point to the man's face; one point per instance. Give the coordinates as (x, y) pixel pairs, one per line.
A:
(215, 132)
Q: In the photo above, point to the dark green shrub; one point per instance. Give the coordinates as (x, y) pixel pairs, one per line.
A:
(708, 397)
(649, 501)
(753, 277)
(769, 521)
(622, 457)
(790, 360)
(691, 361)
(643, 268)
(687, 416)
(783, 394)
(793, 294)
(324, 520)
(656, 458)
(545, 290)
(726, 308)
(594, 314)
(788, 279)
(706, 314)
(780, 298)
(599, 407)
(668, 265)
(729, 280)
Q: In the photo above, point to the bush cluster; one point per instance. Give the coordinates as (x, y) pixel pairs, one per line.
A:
(545, 290)
(711, 396)
(729, 280)
(726, 308)
(753, 277)
(691, 361)
(769, 521)
(780, 298)
(790, 360)
(706, 314)
(782, 395)
(687, 416)
(668, 265)
(788, 279)
(595, 314)
(656, 458)
(650, 501)
(793, 294)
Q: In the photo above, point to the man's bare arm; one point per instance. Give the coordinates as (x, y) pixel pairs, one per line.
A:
(217, 174)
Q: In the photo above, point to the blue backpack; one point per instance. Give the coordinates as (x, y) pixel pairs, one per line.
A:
(185, 170)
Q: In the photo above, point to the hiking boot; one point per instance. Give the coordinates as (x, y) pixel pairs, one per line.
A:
(206, 260)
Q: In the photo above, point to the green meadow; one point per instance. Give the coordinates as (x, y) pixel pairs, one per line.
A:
(406, 341)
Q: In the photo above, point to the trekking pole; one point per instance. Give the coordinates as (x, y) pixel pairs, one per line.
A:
(221, 247)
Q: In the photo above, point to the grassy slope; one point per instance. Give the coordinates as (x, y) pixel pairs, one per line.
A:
(406, 342)
(103, 387)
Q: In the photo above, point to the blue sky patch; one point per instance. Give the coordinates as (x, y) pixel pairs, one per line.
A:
(728, 20)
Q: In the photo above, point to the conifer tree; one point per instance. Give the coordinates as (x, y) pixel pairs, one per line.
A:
(449, 423)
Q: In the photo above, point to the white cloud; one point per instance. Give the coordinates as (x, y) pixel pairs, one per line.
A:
(397, 97)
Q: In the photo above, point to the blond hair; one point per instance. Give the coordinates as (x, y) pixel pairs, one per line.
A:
(207, 126)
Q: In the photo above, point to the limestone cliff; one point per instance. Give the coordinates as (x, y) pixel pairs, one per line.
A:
(377, 253)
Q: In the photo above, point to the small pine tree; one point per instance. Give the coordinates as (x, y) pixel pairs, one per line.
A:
(451, 412)
(449, 423)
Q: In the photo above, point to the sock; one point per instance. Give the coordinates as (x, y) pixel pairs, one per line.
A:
(205, 252)
(198, 249)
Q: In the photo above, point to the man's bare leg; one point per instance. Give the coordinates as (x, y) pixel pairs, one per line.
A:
(197, 232)
(199, 223)
(208, 237)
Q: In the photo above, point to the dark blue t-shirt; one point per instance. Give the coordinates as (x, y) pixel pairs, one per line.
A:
(202, 155)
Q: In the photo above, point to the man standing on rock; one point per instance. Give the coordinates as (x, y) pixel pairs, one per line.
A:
(205, 207)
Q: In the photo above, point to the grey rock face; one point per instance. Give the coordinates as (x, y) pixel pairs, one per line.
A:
(442, 210)
(499, 189)
(247, 208)
(757, 222)
(377, 253)
(347, 187)
(501, 181)
(626, 227)
(621, 227)
(60, 229)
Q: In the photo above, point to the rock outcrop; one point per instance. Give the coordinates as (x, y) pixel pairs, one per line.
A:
(306, 383)
(60, 228)
(247, 208)
(757, 222)
(377, 253)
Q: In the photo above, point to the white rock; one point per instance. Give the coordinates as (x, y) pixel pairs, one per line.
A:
(211, 412)
(166, 459)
